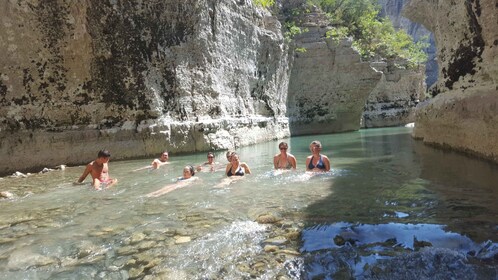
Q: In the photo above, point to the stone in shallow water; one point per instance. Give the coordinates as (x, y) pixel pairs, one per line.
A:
(23, 259)
(267, 219)
(182, 239)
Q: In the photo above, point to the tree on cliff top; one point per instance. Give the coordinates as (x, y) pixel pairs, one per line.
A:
(373, 36)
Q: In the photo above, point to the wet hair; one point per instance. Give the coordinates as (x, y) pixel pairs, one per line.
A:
(192, 169)
(104, 154)
(165, 152)
(283, 144)
(233, 154)
(210, 154)
(316, 143)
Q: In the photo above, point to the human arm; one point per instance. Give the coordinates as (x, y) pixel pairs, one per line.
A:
(293, 162)
(275, 162)
(246, 168)
(308, 159)
(88, 170)
(326, 162)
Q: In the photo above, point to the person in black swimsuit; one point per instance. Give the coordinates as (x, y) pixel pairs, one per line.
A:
(237, 168)
(317, 162)
(284, 160)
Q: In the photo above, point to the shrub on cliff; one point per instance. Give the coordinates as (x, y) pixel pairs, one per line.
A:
(373, 35)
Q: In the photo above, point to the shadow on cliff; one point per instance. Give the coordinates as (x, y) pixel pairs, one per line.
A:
(381, 176)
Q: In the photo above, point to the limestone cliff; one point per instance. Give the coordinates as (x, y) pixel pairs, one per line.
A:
(394, 10)
(464, 114)
(136, 77)
(329, 84)
(392, 102)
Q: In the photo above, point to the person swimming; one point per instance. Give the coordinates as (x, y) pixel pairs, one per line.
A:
(317, 162)
(183, 181)
(284, 160)
(237, 168)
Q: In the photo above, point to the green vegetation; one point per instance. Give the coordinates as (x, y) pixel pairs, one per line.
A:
(372, 35)
(264, 3)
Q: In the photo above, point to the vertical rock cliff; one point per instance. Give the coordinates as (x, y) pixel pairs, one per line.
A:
(464, 114)
(329, 84)
(394, 10)
(393, 100)
(136, 77)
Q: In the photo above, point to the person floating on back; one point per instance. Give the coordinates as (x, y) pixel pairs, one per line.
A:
(163, 159)
(317, 162)
(185, 180)
(284, 160)
(156, 163)
(99, 170)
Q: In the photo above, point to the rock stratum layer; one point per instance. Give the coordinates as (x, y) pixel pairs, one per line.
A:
(392, 102)
(136, 77)
(329, 84)
(464, 114)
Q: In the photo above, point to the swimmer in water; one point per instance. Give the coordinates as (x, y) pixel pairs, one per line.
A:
(99, 170)
(317, 162)
(186, 179)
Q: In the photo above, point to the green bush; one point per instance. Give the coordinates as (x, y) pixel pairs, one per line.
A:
(264, 3)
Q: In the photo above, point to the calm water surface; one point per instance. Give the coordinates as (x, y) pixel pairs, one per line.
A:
(391, 207)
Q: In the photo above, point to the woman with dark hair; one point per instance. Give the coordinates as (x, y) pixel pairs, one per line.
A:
(284, 160)
(183, 181)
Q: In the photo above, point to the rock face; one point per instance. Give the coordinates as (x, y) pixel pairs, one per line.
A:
(394, 10)
(464, 114)
(136, 77)
(328, 86)
(392, 102)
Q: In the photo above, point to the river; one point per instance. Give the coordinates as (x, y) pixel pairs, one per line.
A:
(391, 208)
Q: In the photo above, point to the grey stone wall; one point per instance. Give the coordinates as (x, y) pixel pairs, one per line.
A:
(464, 114)
(328, 86)
(136, 77)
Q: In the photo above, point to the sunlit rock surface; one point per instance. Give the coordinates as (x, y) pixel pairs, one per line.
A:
(136, 78)
(394, 10)
(392, 102)
(464, 114)
(328, 86)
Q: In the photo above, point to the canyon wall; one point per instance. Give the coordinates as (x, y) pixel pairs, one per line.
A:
(392, 102)
(394, 10)
(329, 84)
(136, 77)
(464, 113)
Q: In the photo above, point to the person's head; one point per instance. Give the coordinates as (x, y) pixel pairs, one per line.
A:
(104, 155)
(188, 171)
(229, 155)
(315, 146)
(283, 147)
(234, 157)
(210, 157)
(164, 156)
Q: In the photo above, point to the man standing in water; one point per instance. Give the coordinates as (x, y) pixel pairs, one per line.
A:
(99, 171)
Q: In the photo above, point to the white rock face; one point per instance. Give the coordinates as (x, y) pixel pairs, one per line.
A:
(136, 78)
(328, 86)
(463, 115)
(392, 102)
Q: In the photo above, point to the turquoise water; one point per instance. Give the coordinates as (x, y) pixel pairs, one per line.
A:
(391, 207)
